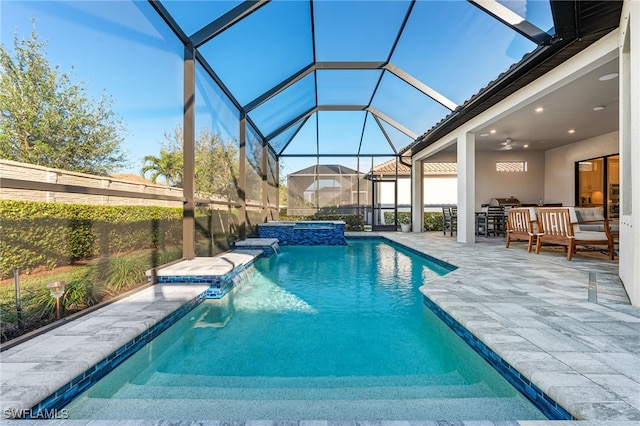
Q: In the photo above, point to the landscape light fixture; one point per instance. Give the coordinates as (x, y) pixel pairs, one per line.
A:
(57, 290)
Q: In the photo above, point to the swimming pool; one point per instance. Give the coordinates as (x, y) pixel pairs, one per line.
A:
(333, 333)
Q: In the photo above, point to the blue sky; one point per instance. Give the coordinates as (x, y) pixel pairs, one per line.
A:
(122, 48)
(112, 50)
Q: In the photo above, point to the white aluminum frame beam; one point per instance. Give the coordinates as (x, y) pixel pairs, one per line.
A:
(513, 20)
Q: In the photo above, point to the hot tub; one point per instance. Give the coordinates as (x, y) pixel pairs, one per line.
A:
(312, 233)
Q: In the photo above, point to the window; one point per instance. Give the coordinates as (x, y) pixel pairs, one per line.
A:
(511, 166)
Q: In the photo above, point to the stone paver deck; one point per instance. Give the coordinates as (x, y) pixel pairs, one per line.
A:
(33, 370)
(532, 310)
(219, 265)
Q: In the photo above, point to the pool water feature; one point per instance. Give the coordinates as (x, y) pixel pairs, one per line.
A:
(307, 233)
(333, 333)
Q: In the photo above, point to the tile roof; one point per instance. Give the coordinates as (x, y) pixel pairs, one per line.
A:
(325, 169)
(130, 177)
(389, 168)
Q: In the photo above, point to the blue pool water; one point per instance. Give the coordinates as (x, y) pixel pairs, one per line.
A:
(333, 333)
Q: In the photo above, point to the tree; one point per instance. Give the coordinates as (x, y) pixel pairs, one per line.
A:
(216, 162)
(47, 120)
(216, 166)
(169, 166)
(282, 192)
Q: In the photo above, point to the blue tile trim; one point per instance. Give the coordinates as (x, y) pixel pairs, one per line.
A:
(305, 233)
(219, 285)
(449, 267)
(267, 251)
(69, 391)
(533, 393)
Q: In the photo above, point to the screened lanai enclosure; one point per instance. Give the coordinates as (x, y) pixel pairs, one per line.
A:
(255, 92)
(309, 85)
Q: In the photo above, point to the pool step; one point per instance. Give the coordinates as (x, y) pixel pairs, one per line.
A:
(131, 391)
(196, 380)
(221, 272)
(494, 409)
(177, 386)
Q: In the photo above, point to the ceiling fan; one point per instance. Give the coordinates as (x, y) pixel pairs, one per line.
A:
(507, 145)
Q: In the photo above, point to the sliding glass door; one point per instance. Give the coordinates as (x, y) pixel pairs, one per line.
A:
(598, 183)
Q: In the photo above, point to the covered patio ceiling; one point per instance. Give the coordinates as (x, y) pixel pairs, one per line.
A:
(348, 78)
(583, 108)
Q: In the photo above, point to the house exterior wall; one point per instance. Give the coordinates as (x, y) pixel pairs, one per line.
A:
(528, 187)
(437, 190)
(440, 190)
(560, 165)
(629, 48)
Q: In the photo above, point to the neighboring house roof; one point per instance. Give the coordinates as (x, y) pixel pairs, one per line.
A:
(389, 168)
(130, 177)
(325, 169)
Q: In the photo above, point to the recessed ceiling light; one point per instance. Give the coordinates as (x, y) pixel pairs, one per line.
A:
(608, 76)
(598, 108)
(484, 135)
(525, 145)
(539, 109)
(572, 130)
(492, 131)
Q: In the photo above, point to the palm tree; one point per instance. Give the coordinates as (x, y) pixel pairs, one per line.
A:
(168, 166)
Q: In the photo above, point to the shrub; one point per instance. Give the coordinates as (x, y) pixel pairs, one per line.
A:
(432, 220)
(53, 234)
(87, 285)
(122, 273)
(80, 294)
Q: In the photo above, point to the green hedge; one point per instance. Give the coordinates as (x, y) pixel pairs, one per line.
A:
(214, 230)
(432, 220)
(54, 234)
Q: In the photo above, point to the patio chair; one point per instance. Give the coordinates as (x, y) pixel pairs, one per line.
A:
(454, 220)
(446, 219)
(495, 220)
(522, 225)
(449, 220)
(559, 226)
(481, 222)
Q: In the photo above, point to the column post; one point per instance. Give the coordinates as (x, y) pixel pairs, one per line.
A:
(466, 146)
(188, 138)
(417, 195)
(242, 179)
